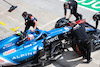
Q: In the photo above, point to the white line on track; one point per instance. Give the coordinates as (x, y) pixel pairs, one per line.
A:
(54, 21)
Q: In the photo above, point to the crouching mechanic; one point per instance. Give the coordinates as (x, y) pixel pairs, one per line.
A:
(29, 21)
(96, 18)
(81, 38)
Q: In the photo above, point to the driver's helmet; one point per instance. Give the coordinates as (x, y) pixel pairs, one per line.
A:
(30, 37)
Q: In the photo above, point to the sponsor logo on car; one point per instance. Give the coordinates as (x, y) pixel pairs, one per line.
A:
(9, 52)
(53, 39)
(66, 28)
(30, 45)
(27, 46)
(8, 45)
(24, 55)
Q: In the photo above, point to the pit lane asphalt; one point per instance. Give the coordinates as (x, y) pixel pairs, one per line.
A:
(47, 12)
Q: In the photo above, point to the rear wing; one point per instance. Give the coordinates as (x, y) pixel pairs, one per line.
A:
(84, 21)
(79, 21)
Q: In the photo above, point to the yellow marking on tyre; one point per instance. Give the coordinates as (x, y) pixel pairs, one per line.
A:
(2, 23)
(14, 29)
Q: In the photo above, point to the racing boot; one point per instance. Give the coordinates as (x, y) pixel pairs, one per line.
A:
(88, 61)
(77, 19)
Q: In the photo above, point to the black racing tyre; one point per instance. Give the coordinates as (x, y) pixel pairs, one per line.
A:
(94, 47)
(77, 49)
(92, 42)
(61, 23)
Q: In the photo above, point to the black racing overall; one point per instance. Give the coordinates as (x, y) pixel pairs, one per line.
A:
(97, 17)
(82, 40)
(73, 8)
(29, 22)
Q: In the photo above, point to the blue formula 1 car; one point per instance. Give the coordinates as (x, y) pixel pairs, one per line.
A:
(18, 48)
